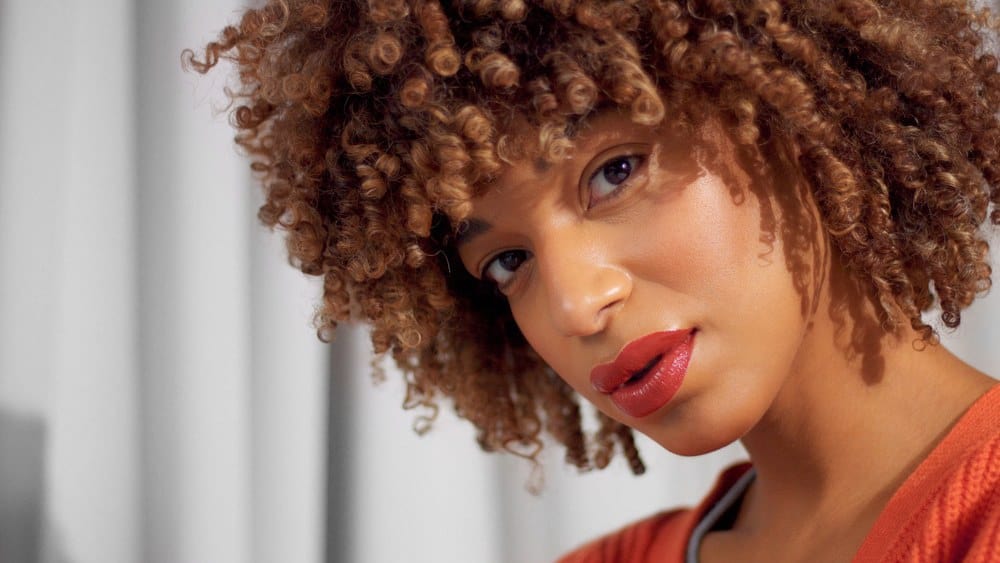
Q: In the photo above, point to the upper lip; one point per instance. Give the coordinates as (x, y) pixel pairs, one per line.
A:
(635, 357)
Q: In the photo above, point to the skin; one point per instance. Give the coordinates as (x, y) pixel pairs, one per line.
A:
(834, 408)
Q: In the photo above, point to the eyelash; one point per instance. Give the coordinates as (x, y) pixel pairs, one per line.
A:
(634, 162)
(495, 260)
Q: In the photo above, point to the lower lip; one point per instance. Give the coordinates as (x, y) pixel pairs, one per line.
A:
(655, 389)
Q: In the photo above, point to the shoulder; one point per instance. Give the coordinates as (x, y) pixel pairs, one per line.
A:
(949, 509)
(961, 518)
(661, 537)
(635, 543)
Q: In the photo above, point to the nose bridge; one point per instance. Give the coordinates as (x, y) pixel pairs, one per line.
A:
(584, 285)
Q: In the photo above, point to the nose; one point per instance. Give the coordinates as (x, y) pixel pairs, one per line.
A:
(584, 289)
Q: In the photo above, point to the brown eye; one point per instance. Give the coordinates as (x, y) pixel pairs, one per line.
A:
(500, 270)
(608, 179)
(617, 171)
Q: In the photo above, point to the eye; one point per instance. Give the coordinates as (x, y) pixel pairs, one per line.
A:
(501, 269)
(607, 180)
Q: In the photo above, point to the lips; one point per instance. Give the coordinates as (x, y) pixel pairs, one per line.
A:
(647, 372)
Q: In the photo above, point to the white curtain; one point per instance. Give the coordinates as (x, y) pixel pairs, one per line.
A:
(162, 395)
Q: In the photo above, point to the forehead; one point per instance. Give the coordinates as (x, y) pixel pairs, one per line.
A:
(528, 182)
(526, 150)
(529, 137)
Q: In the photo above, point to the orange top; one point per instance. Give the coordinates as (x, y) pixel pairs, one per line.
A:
(948, 509)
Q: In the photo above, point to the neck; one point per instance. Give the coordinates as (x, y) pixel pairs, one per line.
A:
(853, 420)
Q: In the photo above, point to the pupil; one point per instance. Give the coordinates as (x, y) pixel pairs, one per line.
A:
(618, 171)
(510, 260)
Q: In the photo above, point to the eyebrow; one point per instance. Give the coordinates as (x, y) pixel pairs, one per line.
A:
(470, 229)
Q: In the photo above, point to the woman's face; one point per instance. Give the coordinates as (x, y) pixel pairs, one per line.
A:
(664, 270)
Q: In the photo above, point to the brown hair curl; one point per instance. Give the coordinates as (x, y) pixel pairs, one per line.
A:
(372, 124)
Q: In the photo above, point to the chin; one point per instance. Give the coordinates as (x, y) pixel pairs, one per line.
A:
(691, 444)
(695, 447)
(698, 435)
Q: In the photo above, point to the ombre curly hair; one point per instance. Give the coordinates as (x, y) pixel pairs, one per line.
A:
(373, 123)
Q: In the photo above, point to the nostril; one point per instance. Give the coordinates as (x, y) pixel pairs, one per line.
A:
(610, 309)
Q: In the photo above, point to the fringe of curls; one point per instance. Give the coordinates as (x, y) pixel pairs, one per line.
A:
(372, 124)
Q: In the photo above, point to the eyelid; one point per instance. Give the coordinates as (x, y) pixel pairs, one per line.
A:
(516, 275)
(638, 150)
(485, 262)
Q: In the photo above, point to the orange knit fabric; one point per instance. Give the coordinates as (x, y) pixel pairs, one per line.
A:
(947, 510)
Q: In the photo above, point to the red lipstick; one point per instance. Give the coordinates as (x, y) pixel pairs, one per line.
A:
(647, 372)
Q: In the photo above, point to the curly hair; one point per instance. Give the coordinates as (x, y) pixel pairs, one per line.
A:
(373, 123)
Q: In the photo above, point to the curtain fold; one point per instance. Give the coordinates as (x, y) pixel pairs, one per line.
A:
(161, 390)
(67, 299)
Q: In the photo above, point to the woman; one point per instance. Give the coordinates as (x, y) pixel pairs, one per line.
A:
(713, 220)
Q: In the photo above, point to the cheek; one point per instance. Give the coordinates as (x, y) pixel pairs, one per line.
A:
(554, 351)
(716, 259)
(701, 243)
(563, 354)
